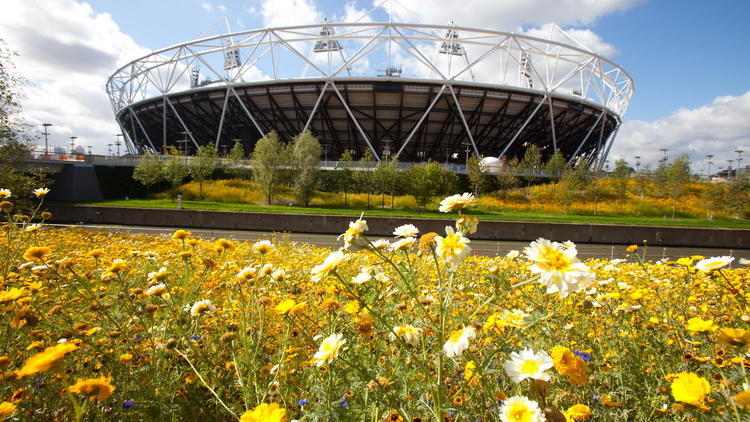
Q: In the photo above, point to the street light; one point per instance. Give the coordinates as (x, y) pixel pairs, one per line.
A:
(72, 144)
(709, 156)
(109, 150)
(729, 168)
(637, 163)
(664, 150)
(46, 145)
(117, 142)
(739, 158)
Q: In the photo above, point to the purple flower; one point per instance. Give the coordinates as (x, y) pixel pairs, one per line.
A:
(128, 403)
(344, 403)
(303, 402)
(583, 355)
(195, 336)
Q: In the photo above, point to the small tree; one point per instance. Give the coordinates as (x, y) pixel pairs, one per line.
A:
(237, 161)
(594, 190)
(620, 177)
(306, 151)
(203, 165)
(477, 175)
(149, 170)
(345, 175)
(174, 170)
(387, 179)
(507, 179)
(678, 175)
(738, 195)
(532, 161)
(364, 177)
(556, 166)
(266, 161)
(429, 180)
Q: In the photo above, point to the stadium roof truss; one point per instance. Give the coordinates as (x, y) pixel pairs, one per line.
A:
(457, 71)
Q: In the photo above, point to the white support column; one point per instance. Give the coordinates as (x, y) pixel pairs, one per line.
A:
(356, 123)
(182, 122)
(585, 138)
(463, 119)
(421, 119)
(523, 126)
(244, 108)
(609, 143)
(221, 120)
(552, 125)
(137, 120)
(315, 108)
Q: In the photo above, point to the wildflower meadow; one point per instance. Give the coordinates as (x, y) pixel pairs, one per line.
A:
(101, 325)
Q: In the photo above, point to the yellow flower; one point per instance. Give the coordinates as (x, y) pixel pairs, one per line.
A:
(93, 388)
(4, 193)
(742, 399)
(10, 295)
(202, 307)
(45, 360)
(569, 365)
(40, 192)
(298, 309)
(262, 247)
(6, 409)
(685, 261)
(355, 230)
(458, 341)
(125, 357)
(736, 337)
(329, 349)
(578, 412)
(265, 412)
(36, 253)
(181, 235)
(631, 248)
(715, 263)
(690, 388)
(117, 266)
(559, 268)
(453, 247)
(95, 253)
(224, 245)
(409, 333)
(698, 325)
(284, 307)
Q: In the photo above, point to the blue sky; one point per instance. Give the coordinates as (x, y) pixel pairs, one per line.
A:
(688, 58)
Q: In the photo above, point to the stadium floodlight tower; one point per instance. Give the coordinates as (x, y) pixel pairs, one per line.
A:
(420, 92)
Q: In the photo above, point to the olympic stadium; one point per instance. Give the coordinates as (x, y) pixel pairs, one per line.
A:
(407, 91)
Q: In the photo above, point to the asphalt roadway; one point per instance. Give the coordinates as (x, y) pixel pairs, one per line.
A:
(480, 247)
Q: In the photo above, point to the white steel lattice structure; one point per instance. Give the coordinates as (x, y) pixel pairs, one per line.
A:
(412, 91)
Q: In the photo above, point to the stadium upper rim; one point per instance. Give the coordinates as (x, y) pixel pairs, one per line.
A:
(558, 67)
(553, 66)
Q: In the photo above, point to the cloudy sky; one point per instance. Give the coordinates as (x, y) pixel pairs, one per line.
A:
(688, 58)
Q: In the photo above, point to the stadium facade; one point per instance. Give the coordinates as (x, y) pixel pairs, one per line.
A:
(415, 92)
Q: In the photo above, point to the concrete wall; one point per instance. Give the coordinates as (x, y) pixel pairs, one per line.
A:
(383, 226)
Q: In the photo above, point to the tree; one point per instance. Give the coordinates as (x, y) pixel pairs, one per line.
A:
(266, 162)
(203, 165)
(429, 180)
(14, 145)
(738, 195)
(387, 179)
(364, 177)
(174, 170)
(149, 170)
(620, 177)
(677, 175)
(344, 174)
(531, 162)
(556, 166)
(477, 174)
(237, 161)
(306, 151)
(507, 179)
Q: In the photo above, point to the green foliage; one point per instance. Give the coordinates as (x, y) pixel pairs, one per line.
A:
(507, 179)
(266, 161)
(426, 181)
(556, 165)
(738, 195)
(306, 152)
(477, 175)
(532, 160)
(387, 179)
(620, 177)
(149, 170)
(345, 175)
(237, 161)
(677, 176)
(174, 170)
(203, 165)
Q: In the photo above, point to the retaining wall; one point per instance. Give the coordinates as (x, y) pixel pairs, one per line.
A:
(383, 226)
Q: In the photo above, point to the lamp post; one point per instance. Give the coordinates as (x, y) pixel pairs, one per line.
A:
(109, 150)
(664, 150)
(72, 144)
(739, 158)
(729, 168)
(46, 145)
(637, 163)
(117, 142)
(709, 156)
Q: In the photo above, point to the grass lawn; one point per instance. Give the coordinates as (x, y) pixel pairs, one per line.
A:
(481, 214)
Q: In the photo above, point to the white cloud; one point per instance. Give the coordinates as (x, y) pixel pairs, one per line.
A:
(506, 15)
(68, 51)
(277, 13)
(717, 128)
(207, 6)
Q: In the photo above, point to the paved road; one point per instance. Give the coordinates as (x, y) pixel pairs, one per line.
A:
(481, 247)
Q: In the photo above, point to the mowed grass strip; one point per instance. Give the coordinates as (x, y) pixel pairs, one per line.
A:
(481, 214)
